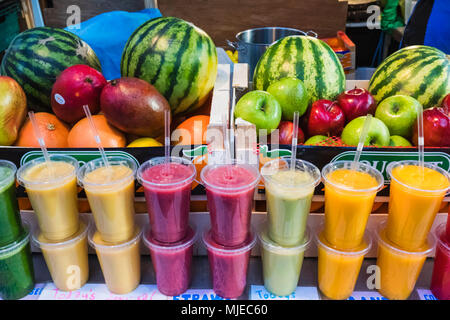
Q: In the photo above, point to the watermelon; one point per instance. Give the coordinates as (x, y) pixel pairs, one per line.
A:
(306, 58)
(36, 57)
(421, 72)
(176, 57)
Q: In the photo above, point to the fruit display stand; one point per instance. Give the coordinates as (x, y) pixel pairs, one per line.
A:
(230, 84)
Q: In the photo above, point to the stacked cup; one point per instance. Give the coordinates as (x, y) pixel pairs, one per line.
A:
(109, 188)
(16, 268)
(440, 281)
(404, 240)
(167, 186)
(350, 191)
(230, 190)
(52, 189)
(285, 237)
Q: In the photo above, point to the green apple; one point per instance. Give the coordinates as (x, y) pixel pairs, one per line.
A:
(291, 94)
(398, 141)
(399, 113)
(378, 134)
(316, 140)
(261, 109)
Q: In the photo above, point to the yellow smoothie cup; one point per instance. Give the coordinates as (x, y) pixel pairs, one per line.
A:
(414, 202)
(349, 198)
(110, 192)
(66, 260)
(120, 263)
(339, 269)
(52, 190)
(399, 269)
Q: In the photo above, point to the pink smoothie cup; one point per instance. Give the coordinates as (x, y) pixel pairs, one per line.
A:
(440, 281)
(167, 189)
(230, 189)
(228, 265)
(172, 262)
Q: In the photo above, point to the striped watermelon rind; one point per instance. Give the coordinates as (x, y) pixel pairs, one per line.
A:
(175, 56)
(421, 72)
(306, 58)
(36, 57)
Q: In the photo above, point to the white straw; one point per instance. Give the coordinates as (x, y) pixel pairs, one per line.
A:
(94, 131)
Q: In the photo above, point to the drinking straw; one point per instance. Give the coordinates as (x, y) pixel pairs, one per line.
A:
(167, 135)
(294, 141)
(94, 131)
(40, 140)
(362, 139)
(226, 143)
(420, 139)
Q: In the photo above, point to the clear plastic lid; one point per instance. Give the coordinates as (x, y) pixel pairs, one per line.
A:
(113, 246)
(383, 240)
(214, 246)
(152, 243)
(98, 163)
(333, 166)
(362, 250)
(238, 180)
(45, 243)
(182, 179)
(7, 172)
(393, 165)
(284, 164)
(271, 245)
(16, 246)
(48, 181)
(440, 234)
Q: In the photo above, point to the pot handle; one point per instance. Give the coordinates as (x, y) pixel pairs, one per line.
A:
(235, 45)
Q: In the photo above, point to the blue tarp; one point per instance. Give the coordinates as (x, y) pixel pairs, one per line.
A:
(108, 33)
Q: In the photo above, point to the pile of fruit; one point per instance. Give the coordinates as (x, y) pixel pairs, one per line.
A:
(167, 64)
(302, 74)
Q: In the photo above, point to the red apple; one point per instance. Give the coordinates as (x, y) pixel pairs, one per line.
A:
(75, 87)
(356, 103)
(436, 127)
(285, 131)
(325, 117)
(446, 102)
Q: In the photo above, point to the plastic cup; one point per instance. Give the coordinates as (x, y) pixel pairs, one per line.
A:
(228, 265)
(413, 205)
(349, 198)
(52, 190)
(10, 224)
(440, 281)
(399, 269)
(66, 260)
(339, 269)
(230, 189)
(120, 263)
(288, 194)
(447, 232)
(167, 189)
(16, 268)
(110, 192)
(281, 265)
(172, 262)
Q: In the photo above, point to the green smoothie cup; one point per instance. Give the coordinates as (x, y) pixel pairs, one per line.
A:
(10, 224)
(281, 265)
(16, 268)
(289, 194)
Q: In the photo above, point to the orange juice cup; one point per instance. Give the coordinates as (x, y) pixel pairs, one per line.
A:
(414, 202)
(66, 260)
(399, 269)
(349, 198)
(339, 269)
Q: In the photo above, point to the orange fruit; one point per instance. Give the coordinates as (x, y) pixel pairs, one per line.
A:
(81, 135)
(192, 130)
(53, 131)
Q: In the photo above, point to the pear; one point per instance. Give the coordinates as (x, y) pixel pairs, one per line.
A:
(13, 110)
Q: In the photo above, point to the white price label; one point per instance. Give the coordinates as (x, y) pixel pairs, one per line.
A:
(366, 295)
(301, 293)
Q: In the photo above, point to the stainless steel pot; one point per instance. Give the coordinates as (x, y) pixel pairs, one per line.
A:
(252, 43)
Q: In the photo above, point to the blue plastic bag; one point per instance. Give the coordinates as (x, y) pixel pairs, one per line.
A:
(108, 34)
